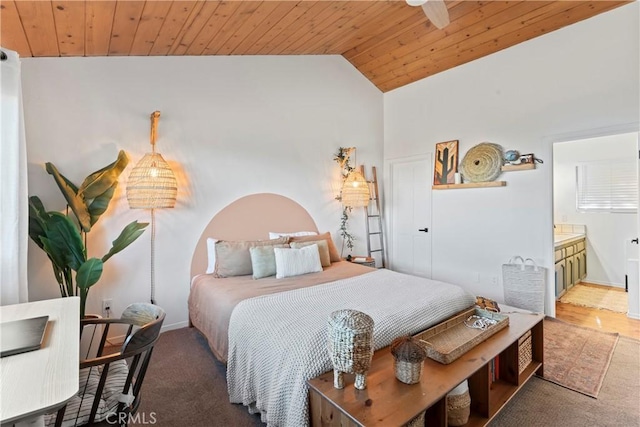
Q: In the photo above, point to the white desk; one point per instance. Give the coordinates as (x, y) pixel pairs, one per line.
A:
(41, 381)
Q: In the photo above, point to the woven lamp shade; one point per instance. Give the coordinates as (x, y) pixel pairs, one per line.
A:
(355, 191)
(152, 184)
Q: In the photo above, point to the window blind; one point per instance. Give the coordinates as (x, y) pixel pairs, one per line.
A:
(607, 186)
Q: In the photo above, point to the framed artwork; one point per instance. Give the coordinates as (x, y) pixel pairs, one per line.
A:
(446, 163)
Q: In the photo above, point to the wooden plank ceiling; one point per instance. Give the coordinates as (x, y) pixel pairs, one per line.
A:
(390, 42)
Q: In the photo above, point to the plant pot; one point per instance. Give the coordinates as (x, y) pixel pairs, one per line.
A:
(90, 338)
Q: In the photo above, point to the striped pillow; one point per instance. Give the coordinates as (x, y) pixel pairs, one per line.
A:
(294, 262)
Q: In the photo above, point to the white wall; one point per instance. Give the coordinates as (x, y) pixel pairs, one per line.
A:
(581, 77)
(230, 126)
(606, 232)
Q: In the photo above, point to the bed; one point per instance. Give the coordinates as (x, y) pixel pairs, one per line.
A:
(272, 332)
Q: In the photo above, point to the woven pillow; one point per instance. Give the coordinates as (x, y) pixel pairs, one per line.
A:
(274, 235)
(294, 262)
(323, 249)
(334, 255)
(263, 260)
(234, 259)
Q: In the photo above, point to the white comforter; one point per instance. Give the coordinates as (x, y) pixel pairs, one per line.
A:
(277, 342)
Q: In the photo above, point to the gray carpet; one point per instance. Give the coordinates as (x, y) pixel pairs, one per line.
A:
(185, 386)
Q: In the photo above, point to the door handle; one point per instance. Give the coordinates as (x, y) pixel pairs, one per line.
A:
(426, 230)
(635, 241)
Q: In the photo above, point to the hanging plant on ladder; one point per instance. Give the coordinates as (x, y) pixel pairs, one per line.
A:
(342, 158)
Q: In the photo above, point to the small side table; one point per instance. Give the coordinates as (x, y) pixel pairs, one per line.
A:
(369, 261)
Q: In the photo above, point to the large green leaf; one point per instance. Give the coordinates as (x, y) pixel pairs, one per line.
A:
(130, 233)
(37, 218)
(102, 180)
(74, 198)
(89, 273)
(63, 242)
(100, 204)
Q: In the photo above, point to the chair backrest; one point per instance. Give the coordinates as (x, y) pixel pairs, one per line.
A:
(143, 322)
(149, 317)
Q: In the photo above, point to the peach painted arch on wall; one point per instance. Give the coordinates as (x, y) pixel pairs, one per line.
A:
(252, 218)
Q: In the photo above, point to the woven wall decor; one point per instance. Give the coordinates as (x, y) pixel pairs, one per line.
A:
(482, 163)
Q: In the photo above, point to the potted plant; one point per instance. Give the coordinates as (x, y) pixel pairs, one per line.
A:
(64, 240)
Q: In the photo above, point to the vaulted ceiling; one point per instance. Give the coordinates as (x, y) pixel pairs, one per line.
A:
(389, 42)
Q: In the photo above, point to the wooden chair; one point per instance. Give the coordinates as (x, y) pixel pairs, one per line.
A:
(110, 382)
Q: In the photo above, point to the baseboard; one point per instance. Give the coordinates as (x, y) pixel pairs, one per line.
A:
(598, 282)
(177, 325)
(633, 316)
(119, 339)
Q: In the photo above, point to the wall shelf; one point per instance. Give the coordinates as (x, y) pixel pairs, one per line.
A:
(522, 167)
(470, 185)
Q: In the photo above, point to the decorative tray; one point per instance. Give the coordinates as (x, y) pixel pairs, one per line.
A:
(452, 338)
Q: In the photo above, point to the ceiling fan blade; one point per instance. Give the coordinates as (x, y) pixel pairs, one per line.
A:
(436, 11)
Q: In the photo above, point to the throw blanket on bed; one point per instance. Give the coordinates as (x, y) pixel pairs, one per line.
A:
(278, 342)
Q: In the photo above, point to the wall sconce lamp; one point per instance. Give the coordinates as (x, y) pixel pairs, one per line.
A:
(152, 185)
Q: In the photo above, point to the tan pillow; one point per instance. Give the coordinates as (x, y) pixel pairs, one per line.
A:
(234, 259)
(334, 255)
(323, 249)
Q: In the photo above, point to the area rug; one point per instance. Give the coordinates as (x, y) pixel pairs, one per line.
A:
(576, 357)
(603, 298)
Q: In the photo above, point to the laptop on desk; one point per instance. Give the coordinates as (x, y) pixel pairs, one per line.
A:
(20, 336)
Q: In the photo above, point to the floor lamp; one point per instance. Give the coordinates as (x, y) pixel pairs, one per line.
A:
(152, 185)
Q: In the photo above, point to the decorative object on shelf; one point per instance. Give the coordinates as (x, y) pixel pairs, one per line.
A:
(525, 355)
(514, 161)
(450, 339)
(511, 156)
(487, 304)
(482, 163)
(524, 285)
(446, 163)
(64, 242)
(152, 185)
(350, 346)
(408, 359)
(479, 322)
(459, 405)
(457, 178)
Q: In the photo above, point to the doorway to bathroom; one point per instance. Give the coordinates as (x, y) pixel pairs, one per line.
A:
(595, 199)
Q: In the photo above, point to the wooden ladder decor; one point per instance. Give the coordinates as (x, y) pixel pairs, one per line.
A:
(374, 213)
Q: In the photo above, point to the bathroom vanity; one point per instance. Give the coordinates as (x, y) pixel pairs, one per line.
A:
(570, 256)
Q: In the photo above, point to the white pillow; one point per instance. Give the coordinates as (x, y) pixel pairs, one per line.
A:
(294, 262)
(274, 235)
(211, 255)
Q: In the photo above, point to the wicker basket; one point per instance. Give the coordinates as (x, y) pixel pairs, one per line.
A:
(350, 345)
(525, 355)
(450, 339)
(458, 409)
(408, 359)
(408, 372)
(417, 421)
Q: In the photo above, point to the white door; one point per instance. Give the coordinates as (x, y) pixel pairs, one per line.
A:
(633, 261)
(410, 215)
